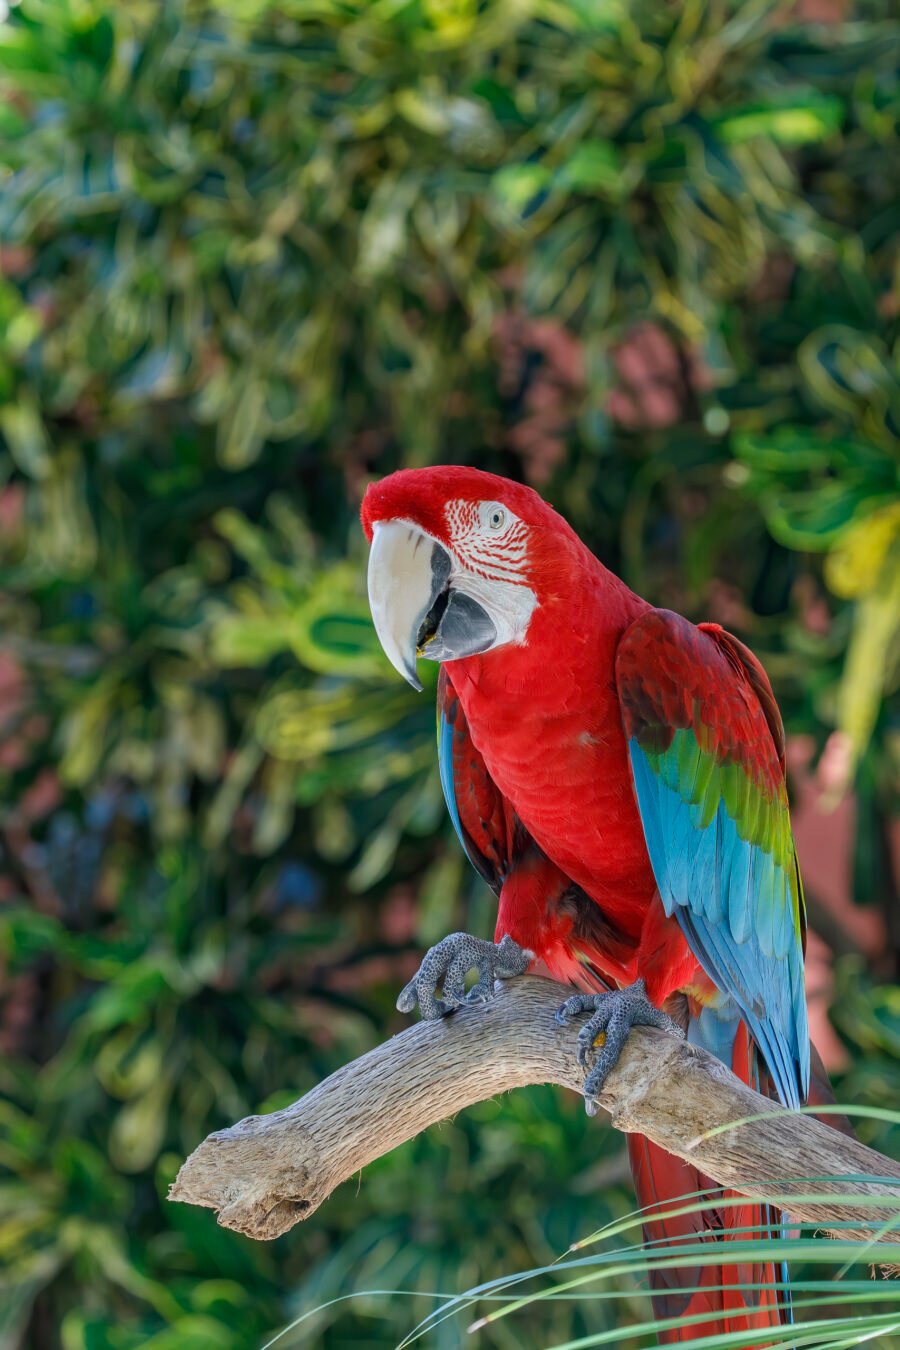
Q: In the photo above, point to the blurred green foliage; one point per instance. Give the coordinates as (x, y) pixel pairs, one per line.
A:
(251, 255)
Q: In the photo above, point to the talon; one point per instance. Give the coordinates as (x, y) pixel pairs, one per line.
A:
(613, 1016)
(448, 963)
(406, 999)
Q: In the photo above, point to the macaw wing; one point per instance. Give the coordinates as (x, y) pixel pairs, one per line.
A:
(707, 759)
(481, 815)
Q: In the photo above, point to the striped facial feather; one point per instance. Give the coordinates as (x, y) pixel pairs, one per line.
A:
(489, 540)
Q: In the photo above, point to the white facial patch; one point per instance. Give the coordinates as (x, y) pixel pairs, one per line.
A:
(489, 551)
(489, 540)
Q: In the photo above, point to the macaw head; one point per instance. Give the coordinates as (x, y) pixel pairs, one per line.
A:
(458, 562)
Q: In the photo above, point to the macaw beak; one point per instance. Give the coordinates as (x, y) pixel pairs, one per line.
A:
(417, 605)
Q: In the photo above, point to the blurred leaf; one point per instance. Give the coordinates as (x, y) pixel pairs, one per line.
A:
(241, 434)
(594, 165)
(331, 632)
(872, 655)
(25, 436)
(519, 185)
(813, 119)
(855, 564)
(138, 1129)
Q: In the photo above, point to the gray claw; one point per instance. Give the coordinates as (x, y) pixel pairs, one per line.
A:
(614, 1014)
(449, 961)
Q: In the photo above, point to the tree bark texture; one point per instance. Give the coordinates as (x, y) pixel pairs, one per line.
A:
(266, 1173)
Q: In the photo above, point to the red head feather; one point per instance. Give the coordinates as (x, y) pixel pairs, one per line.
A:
(420, 495)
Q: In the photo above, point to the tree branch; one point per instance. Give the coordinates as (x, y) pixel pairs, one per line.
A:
(267, 1172)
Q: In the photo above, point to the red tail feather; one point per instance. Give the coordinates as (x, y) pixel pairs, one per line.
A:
(661, 1181)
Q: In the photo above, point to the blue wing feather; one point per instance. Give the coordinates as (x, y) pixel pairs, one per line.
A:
(715, 870)
(445, 768)
(721, 856)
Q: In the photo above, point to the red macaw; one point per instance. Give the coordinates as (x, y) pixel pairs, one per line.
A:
(616, 775)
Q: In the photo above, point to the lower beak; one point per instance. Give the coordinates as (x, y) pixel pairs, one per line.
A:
(416, 610)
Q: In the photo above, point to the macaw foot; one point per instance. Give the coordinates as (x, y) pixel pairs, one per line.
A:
(614, 1014)
(450, 961)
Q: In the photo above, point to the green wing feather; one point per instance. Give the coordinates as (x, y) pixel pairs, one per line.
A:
(707, 758)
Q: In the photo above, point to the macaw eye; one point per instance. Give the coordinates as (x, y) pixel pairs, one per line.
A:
(497, 518)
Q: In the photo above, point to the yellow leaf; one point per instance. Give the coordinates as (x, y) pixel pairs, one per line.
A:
(854, 565)
(870, 658)
(84, 735)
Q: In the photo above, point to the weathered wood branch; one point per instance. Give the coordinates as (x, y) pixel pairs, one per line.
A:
(267, 1172)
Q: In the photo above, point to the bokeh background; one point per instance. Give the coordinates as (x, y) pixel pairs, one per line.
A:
(641, 255)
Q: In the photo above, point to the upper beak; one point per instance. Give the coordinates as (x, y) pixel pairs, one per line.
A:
(416, 610)
(407, 574)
